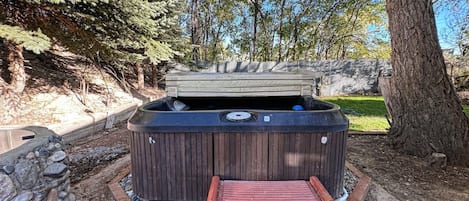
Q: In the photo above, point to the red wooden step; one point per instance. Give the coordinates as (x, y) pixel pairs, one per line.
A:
(299, 190)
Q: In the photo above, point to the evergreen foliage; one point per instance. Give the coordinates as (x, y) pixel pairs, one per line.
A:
(35, 41)
(121, 31)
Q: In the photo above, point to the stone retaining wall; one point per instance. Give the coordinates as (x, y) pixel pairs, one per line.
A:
(341, 77)
(37, 170)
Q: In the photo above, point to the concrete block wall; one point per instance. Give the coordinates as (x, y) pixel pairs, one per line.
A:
(339, 77)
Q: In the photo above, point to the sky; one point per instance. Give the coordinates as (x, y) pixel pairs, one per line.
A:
(449, 19)
(449, 16)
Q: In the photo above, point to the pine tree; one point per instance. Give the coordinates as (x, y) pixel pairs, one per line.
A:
(119, 32)
(427, 116)
(15, 39)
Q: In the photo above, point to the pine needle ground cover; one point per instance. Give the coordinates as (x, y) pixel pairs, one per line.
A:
(366, 113)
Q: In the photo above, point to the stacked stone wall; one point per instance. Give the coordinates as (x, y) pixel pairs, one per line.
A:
(37, 170)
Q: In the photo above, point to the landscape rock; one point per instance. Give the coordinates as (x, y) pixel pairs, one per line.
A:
(51, 146)
(43, 152)
(63, 194)
(52, 195)
(438, 160)
(30, 155)
(65, 186)
(39, 196)
(7, 188)
(55, 170)
(58, 180)
(71, 197)
(26, 173)
(55, 138)
(58, 156)
(8, 169)
(24, 196)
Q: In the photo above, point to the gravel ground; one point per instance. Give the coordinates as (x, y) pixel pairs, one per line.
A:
(350, 180)
(126, 184)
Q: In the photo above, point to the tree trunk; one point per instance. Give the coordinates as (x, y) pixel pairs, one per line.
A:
(16, 67)
(386, 90)
(84, 86)
(154, 76)
(426, 116)
(280, 31)
(254, 32)
(195, 32)
(207, 26)
(295, 38)
(11, 93)
(216, 39)
(140, 76)
(272, 44)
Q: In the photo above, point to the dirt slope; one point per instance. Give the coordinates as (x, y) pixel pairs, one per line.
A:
(62, 87)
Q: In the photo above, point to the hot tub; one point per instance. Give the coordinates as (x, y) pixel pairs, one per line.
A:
(176, 148)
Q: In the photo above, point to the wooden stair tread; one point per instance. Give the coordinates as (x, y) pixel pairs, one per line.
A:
(231, 190)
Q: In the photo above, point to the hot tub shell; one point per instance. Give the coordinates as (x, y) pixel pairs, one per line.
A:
(175, 153)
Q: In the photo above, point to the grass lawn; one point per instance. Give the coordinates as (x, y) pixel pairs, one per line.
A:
(466, 110)
(366, 113)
